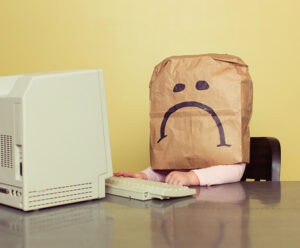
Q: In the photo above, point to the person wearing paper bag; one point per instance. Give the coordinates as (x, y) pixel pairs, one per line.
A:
(200, 108)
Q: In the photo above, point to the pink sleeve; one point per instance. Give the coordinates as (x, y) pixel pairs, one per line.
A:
(154, 175)
(220, 174)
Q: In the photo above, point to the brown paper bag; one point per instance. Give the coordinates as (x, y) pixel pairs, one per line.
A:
(200, 108)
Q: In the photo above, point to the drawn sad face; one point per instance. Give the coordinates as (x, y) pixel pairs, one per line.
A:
(200, 85)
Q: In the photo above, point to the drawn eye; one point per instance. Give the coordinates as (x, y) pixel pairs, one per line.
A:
(179, 87)
(202, 85)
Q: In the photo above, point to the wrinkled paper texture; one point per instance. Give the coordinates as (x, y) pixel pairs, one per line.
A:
(200, 108)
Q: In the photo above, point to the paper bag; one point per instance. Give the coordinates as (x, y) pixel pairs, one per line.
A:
(200, 108)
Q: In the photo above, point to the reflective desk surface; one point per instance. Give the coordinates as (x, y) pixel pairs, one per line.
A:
(245, 214)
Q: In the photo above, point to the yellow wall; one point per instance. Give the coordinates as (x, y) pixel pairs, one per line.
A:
(128, 38)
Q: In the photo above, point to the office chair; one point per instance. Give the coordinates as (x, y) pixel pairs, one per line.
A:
(265, 159)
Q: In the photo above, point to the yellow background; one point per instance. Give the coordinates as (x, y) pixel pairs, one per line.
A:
(128, 38)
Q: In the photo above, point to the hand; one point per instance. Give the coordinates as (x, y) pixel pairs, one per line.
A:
(139, 175)
(182, 178)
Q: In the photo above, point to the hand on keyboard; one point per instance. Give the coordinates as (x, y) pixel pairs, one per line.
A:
(188, 178)
(184, 178)
(139, 175)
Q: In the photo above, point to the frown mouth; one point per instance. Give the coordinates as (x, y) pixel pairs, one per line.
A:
(197, 105)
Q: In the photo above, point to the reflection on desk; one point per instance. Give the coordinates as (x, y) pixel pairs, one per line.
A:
(204, 222)
(71, 225)
(244, 214)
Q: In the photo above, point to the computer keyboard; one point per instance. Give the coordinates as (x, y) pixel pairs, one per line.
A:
(145, 190)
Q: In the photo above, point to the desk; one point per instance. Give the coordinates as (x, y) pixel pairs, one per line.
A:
(245, 214)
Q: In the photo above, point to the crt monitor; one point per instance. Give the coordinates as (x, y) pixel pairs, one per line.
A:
(54, 139)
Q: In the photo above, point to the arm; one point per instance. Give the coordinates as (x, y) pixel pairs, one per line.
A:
(220, 174)
(158, 176)
(139, 175)
(147, 174)
(213, 175)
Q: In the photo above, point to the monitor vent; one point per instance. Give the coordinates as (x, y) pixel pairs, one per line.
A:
(6, 151)
(60, 195)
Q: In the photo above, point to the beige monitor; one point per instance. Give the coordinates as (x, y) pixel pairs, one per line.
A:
(54, 139)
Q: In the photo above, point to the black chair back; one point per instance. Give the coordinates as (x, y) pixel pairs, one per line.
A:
(265, 159)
